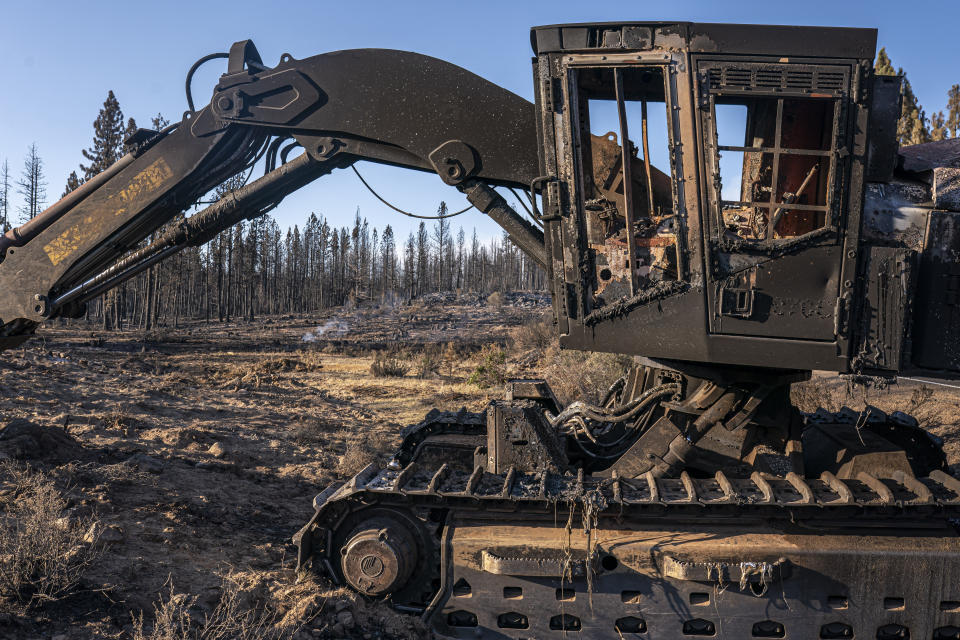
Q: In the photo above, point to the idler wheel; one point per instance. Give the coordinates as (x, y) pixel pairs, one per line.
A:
(378, 558)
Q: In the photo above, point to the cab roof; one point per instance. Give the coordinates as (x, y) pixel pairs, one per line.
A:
(699, 37)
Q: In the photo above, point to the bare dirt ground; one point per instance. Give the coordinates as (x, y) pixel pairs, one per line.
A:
(198, 451)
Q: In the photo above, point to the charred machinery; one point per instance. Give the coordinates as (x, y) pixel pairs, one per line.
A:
(726, 203)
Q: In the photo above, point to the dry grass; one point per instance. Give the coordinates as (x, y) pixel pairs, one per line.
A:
(243, 612)
(389, 365)
(492, 370)
(582, 375)
(119, 419)
(371, 447)
(263, 370)
(43, 553)
(429, 363)
(536, 335)
(815, 393)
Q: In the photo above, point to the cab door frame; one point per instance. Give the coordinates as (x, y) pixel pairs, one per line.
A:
(782, 78)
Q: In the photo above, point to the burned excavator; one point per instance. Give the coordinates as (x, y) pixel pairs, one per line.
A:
(726, 203)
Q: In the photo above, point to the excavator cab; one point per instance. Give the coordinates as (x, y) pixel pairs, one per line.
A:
(707, 181)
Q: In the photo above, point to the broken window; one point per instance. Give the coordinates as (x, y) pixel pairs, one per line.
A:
(774, 158)
(627, 192)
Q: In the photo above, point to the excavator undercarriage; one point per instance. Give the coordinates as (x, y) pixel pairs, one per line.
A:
(483, 524)
(725, 203)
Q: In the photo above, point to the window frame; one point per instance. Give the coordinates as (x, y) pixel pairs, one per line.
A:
(580, 129)
(710, 71)
(772, 205)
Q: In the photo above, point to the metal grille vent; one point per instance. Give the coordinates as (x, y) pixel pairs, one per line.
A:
(830, 80)
(769, 77)
(799, 79)
(716, 78)
(812, 79)
(737, 77)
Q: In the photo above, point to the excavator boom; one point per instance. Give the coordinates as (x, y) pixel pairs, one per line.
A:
(392, 107)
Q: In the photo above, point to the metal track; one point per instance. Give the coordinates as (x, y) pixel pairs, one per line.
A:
(409, 482)
(828, 497)
(476, 514)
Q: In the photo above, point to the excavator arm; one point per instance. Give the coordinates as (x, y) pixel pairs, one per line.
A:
(391, 107)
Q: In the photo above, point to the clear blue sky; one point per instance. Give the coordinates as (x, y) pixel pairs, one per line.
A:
(60, 58)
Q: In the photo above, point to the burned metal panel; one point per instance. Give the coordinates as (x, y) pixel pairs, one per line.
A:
(825, 42)
(518, 436)
(794, 296)
(920, 158)
(935, 341)
(888, 285)
(673, 328)
(946, 188)
(857, 123)
(708, 38)
(882, 136)
(895, 214)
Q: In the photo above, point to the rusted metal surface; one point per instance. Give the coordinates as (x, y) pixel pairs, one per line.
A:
(672, 582)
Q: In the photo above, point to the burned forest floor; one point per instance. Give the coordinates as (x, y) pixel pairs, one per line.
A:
(161, 474)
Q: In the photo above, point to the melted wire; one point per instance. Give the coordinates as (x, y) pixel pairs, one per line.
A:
(406, 213)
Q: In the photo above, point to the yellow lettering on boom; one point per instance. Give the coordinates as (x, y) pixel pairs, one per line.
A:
(72, 239)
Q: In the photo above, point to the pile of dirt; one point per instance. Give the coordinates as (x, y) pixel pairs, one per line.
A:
(24, 440)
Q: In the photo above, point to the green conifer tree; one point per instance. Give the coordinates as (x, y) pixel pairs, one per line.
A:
(108, 135)
(938, 127)
(912, 128)
(73, 181)
(131, 128)
(953, 111)
(883, 66)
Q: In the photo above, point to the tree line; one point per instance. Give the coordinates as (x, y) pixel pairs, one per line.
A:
(914, 126)
(256, 268)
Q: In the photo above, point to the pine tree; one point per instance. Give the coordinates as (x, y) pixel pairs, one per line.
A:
(883, 66)
(912, 128)
(72, 183)
(389, 260)
(441, 237)
(460, 240)
(938, 127)
(953, 111)
(129, 131)
(423, 259)
(5, 197)
(158, 122)
(108, 135)
(32, 185)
